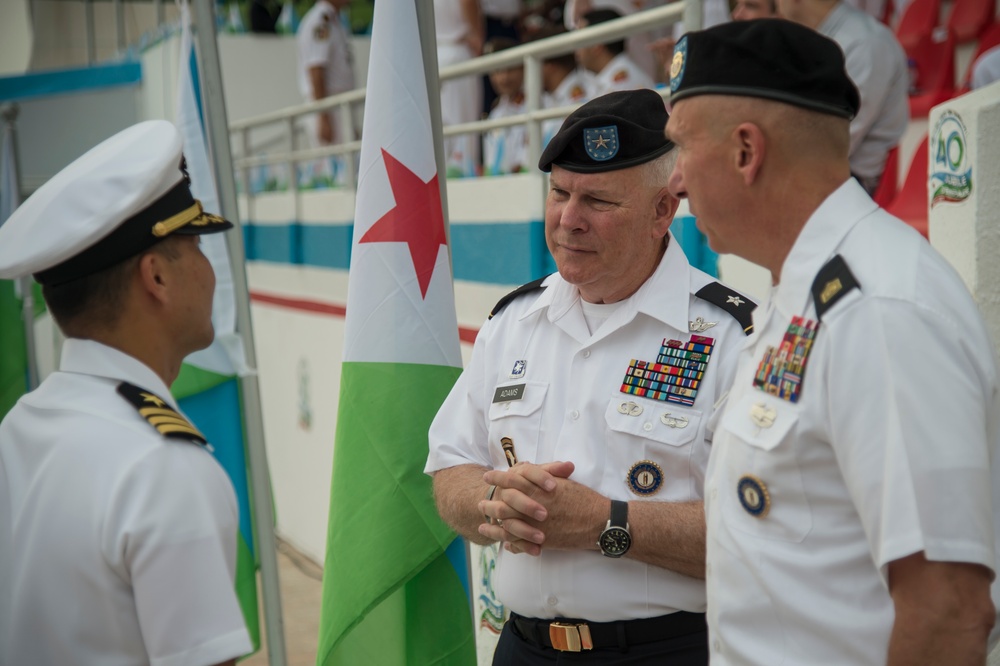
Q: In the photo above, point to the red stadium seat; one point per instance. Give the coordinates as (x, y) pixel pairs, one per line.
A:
(968, 18)
(989, 38)
(889, 185)
(935, 58)
(919, 19)
(910, 205)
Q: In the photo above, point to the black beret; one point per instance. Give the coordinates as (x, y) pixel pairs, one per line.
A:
(768, 58)
(614, 131)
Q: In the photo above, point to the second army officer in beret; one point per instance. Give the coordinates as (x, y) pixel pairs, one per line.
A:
(851, 502)
(579, 433)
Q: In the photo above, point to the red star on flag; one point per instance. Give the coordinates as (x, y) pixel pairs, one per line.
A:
(416, 219)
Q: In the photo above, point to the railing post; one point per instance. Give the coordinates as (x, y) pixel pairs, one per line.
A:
(693, 15)
(533, 92)
(345, 131)
(120, 24)
(88, 12)
(245, 173)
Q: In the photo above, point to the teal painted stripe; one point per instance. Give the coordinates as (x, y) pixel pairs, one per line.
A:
(501, 253)
(699, 254)
(59, 82)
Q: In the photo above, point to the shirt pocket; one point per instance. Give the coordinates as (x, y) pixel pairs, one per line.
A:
(644, 431)
(520, 421)
(763, 494)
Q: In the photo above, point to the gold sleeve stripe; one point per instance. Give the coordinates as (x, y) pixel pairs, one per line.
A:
(148, 412)
(166, 429)
(157, 420)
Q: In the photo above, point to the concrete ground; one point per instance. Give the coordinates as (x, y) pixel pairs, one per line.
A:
(301, 588)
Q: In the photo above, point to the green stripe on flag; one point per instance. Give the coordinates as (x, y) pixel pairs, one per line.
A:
(246, 589)
(377, 641)
(14, 359)
(192, 380)
(390, 596)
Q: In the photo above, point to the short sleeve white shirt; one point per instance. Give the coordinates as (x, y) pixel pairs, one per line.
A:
(887, 451)
(986, 69)
(573, 408)
(323, 41)
(571, 90)
(450, 25)
(876, 63)
(620, 74)
(117, 545)
(505, 150)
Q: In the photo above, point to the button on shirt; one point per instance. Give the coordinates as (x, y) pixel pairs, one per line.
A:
(117, 545)
(876, 64)
(886, 453)
(571, 410)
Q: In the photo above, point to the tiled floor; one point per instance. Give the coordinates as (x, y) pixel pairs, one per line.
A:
(300, 601)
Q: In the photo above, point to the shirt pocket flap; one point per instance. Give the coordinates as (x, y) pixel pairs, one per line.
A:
(651, 419)
(532, 397)
(760, 420)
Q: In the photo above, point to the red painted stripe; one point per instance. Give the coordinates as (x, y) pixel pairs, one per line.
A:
(299, 304)
(465, 334)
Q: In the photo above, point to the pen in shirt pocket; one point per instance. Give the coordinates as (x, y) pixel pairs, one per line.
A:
(508, 450)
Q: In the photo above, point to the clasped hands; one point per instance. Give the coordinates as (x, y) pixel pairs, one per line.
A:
(535, 505)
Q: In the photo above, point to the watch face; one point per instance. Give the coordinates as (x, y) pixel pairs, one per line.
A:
(615, 541)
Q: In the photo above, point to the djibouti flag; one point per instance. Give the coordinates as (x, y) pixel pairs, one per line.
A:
(391, 593)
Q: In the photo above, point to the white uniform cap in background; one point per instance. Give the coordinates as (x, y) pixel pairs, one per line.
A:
(117, 200)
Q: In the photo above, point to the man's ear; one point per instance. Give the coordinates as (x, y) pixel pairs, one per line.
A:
(666, 206)
(750, 150)
(153, 276)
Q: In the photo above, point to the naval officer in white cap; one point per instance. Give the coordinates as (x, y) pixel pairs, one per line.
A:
(117, 526)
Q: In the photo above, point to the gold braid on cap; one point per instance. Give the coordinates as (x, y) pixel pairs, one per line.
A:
(175, 222)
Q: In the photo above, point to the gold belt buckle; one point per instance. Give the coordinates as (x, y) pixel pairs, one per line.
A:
(570, 637)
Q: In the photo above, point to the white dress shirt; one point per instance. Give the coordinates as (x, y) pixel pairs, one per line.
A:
(887, 451)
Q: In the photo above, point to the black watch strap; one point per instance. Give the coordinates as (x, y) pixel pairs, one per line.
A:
(619, 514)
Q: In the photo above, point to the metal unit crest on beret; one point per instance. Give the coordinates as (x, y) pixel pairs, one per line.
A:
(678, 63)
(601, 143)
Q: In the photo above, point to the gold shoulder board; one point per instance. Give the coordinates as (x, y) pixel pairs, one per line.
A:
(167, 420)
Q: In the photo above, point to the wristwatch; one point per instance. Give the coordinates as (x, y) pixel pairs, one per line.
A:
(615, 539)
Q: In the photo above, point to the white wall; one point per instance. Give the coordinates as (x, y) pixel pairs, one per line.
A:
(967, 232)
(54, 131)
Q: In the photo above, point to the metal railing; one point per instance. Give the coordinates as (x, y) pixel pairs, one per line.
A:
(530, 56)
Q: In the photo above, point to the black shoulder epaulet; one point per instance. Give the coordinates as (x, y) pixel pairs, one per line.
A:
(733, 302)
(834, 281)
(167, 421)
(523, 289)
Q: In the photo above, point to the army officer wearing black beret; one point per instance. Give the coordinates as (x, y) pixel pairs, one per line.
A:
(851, 496)
(579, 432)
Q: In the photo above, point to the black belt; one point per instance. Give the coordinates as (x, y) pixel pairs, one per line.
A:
(576, 635)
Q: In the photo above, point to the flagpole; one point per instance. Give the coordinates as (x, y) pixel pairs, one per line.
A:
(217, 125)
(24, 284)
(428, 47)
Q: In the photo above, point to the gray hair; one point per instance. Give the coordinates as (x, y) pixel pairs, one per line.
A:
(656, 173)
